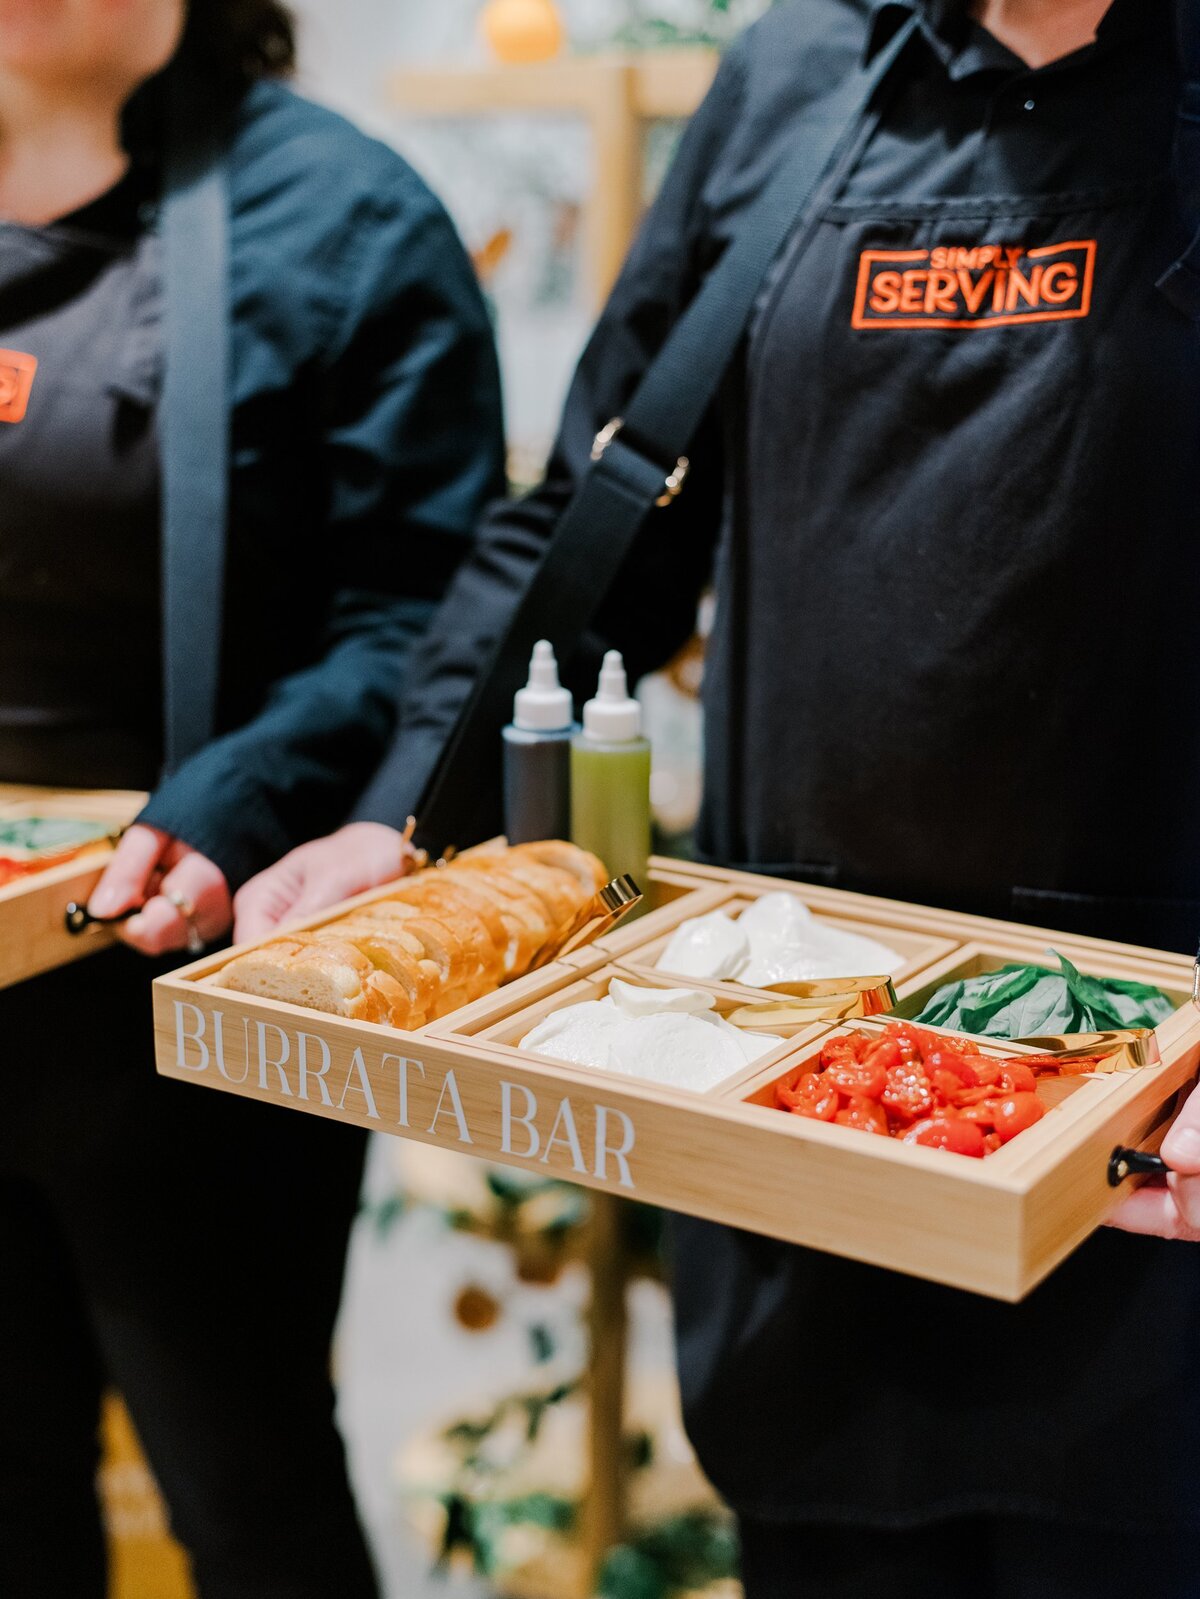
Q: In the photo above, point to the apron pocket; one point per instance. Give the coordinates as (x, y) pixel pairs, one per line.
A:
(1154, 922)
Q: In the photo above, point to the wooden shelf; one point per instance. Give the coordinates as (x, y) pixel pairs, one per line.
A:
(616, 94)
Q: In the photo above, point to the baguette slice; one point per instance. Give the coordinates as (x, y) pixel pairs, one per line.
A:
(526, 920)
(390, 949)
(473, 919)
(319, 974)
(590, 873)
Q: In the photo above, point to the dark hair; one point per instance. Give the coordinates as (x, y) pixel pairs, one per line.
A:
(242, 40)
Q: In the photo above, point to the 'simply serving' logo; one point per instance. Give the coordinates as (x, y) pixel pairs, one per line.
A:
(973, 287)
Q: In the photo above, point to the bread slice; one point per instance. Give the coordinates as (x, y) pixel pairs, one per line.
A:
(323, 974)
(390, 949)
(527, 923)
(590, 872)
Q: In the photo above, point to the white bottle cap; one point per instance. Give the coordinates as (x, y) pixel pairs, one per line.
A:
(612, 715)
(543, 706)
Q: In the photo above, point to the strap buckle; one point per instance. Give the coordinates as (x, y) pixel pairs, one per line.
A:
(674, 481)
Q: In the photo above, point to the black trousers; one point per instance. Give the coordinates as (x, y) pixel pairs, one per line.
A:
(187, 1248)
(971, 1558)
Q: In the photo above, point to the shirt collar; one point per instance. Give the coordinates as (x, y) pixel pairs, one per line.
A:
(964, 47)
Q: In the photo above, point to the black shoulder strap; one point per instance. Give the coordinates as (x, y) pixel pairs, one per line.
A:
(639, 460)
(193, 423)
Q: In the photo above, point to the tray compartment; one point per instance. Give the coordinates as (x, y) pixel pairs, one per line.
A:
(919, 948)
(974, 959)
(507, 1027)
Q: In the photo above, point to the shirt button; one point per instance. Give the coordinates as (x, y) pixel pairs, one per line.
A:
(1029, 104)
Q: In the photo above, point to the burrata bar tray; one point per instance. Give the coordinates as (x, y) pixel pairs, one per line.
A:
(995, 1226)
(61, 844)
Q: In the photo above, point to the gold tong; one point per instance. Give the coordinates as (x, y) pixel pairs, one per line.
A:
(1123, 1049)
(601, 913)
(817, 1000)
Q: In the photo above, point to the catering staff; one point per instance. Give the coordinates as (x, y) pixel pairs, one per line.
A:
(948, 497)
(189, 1249)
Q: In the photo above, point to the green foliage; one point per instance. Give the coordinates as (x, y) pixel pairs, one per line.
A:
(673, 1556)
(1021, 1001)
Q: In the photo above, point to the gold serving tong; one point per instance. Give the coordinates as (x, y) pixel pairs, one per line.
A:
(1123, 1049)
(820, 999)
(598, 916)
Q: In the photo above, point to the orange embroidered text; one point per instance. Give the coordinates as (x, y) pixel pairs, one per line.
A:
(16, 380)
(971, 287)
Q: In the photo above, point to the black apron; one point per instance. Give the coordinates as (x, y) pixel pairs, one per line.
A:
(80, 661)
(980, 500)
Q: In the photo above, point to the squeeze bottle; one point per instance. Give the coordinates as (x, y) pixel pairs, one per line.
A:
(537, 754)
(610, 778)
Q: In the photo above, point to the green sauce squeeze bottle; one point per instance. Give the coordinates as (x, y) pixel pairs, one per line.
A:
(610, 778)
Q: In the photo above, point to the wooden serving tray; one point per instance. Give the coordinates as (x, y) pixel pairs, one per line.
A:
(33, 934)
(995, 1226)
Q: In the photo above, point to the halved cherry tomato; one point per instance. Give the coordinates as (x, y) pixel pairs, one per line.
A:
(862, 1078)
(865, 1114)
(1016, 1112)
(1016, 1078)
(966, 1097)
(947, 1132)
(884, 1052)
(909, 1094)
(983, 1114)
(953, 1063)
(840, 1050)
(810, 1095)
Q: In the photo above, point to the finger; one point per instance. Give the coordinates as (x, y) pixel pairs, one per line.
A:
(127, 877)
(1152, 1210)
(268, 899)
(202, 885)
(162, 927)
(1181, 1146)
(157, 929)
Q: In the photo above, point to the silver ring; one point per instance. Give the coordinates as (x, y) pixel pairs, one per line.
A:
(187, 910)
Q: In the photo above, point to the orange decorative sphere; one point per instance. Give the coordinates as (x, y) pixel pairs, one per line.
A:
(522, 31)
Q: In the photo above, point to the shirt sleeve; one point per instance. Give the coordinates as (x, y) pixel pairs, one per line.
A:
(649, 610)
(412, 438)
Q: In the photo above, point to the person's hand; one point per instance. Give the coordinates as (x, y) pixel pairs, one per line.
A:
(184, 897)
(358, 856)
(1170, 1209)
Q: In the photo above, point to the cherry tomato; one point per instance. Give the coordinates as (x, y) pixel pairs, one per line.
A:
(915, 1043)
(951, 1062)
(983, 1113)
(865, 1114)
(810, 1095)
(966, 1097)
(884, 1052)
(838, 1051)
(1016, 1112)
(947, 1132)
(908, 1094)
(1016, 1078)
(862, 1078)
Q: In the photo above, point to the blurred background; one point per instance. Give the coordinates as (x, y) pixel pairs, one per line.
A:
(499, 1443)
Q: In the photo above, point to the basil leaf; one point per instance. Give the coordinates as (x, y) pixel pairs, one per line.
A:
(1019, 1001)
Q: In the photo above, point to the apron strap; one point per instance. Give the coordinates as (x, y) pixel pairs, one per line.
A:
(194, 419)
(639, 460)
